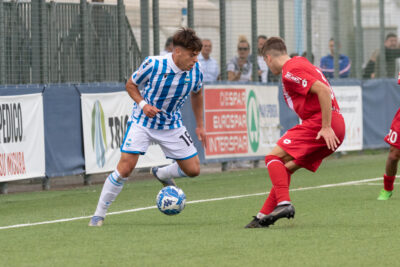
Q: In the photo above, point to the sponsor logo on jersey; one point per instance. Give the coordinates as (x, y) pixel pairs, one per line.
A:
(287, 141)
(187, 79)
(304, 83)
(292, 77)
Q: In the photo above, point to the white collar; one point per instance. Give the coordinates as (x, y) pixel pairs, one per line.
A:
(171, 62)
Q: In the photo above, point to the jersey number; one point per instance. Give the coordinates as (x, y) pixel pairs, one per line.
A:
(392, 136)
(188, 140)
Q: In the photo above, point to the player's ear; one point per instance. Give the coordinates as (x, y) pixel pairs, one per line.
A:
(267, 58)
(178, 50)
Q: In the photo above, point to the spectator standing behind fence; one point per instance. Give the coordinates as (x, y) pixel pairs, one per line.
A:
(208, 65)
(168, 47)
(328, 66)
(240, 67)
(262, 66)
(392, 52)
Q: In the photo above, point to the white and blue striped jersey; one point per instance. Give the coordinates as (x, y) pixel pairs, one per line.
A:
(163, 85)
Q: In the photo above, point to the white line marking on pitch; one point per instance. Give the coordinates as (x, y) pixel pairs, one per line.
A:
(190, 202)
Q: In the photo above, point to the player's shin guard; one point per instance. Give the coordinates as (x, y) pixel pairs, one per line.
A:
(388, 182)
(111, 188)
(279, 178)
(171, 171)
(271, 202)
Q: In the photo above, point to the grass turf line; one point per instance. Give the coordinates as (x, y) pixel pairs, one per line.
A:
(341, 225)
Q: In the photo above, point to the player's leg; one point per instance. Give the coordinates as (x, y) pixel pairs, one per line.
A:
(113, 186)
(390, 173)
(270, 203)
(393, 139)
(191, 166)
(178, 145)
(297, 148)
(130, 151)
(180, 168)
(277, 204)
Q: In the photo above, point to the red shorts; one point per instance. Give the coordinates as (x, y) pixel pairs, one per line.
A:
(393, 138)
(300, 142)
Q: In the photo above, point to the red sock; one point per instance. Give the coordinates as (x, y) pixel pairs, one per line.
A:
(271, 202)
(388, 182)
(289, 173)
(280, 178)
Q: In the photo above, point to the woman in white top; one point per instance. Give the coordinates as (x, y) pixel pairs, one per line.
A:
(240, 67)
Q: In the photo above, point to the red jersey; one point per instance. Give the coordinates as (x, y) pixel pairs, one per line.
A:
(393, 137)
(298, 75)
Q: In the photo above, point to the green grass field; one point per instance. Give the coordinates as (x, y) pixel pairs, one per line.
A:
(342, 225)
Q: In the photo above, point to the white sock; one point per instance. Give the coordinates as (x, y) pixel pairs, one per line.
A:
(111, 188)
(170, 171)
(260, 215)
(284, 203)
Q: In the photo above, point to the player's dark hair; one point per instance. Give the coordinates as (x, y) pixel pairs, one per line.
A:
(187, 38)
(390, 35)
(168, 42)
(275, 46)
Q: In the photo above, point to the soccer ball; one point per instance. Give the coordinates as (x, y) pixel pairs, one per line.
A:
(171, 200)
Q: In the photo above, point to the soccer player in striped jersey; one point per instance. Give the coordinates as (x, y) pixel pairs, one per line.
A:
(160, 87)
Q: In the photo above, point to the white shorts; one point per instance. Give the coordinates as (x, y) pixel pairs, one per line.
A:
(176, 143)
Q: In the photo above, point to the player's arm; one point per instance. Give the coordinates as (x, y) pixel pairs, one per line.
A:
(133, 91)
(197, 106)
(324, 96)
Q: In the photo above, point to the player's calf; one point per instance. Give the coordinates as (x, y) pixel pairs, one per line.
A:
(166, 181)
(190, 167)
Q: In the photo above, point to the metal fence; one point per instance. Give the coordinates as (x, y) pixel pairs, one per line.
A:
(65, 42)
(359, 29)
(53, 42)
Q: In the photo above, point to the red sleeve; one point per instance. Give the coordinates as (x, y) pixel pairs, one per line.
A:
(306, 80)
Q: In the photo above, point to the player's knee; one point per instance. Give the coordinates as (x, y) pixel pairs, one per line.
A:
(271, 158)
(125, 168)
(193, 171)
(394, 154)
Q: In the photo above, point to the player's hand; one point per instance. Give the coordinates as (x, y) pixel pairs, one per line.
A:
(330, 137)
(150, 111)
(201, 135)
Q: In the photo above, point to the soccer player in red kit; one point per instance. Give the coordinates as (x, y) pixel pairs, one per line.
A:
(309, 94)
(393, 139)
